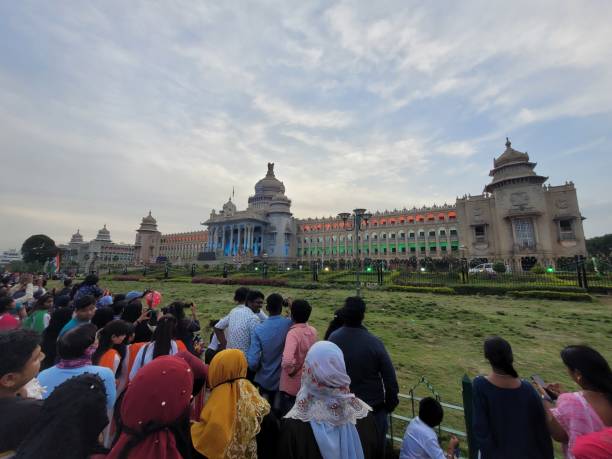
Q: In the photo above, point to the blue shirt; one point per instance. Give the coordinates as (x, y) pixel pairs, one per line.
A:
(72, 323)
(266, 351)
(54, 376)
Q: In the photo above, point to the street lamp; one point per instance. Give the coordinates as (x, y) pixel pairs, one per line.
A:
(358, 216)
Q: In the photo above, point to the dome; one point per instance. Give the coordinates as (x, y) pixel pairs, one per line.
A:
(103, 235)
(149, 220)
(229, 207)
(76, 238)
(510, 155)
(269, 184)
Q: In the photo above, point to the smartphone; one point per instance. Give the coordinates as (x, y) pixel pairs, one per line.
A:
(540, 382)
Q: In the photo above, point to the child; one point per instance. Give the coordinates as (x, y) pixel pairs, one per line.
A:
(300, 338)
(420, 439)
(84, 310)
(39, 316)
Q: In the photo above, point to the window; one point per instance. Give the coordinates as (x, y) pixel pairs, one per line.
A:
(453, 232)
(411, 234)
(443, 248)
(523, 233)
(432, 234)
(392, 235)
(392, 249)
(442, 232)
(384, 235)
(566, 230)
(422, 249)
(403, 249)
(432, 248)
(479, 233)
(421, 233)
(412, 249)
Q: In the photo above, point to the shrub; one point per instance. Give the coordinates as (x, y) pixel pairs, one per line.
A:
(240, 281)
(538, 269)
(406, 288)
(128, 277)
(551, 295)
(499, 267)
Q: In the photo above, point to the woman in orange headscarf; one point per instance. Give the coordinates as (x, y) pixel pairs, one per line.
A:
(232, 416)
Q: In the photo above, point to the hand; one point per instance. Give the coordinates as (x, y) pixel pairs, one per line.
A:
(555, 388)
(193, 309)
(144, 316)
(453, 443)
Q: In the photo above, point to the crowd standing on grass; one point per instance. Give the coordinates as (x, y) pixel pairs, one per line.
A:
(88, 374)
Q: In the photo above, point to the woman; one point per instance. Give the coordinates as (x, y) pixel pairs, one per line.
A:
(112, 350)
(89, 287)
(596, 445)
(334, 324)
(185, 328)
(39, 316)
(161, 344)
(153, 417)
(327, 420)
(586, 411)
(234, 411)
(132, 312)
(508, 418)
(59, 318)
(102, 316)
(70, 422)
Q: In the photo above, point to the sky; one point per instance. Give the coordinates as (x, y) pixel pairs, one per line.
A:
(111, 109)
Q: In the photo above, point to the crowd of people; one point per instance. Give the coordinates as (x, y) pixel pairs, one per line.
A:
(89, 374)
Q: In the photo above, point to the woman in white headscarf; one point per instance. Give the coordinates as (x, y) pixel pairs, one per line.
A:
(327, 420)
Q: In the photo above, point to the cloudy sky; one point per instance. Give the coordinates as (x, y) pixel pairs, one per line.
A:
(111, 108)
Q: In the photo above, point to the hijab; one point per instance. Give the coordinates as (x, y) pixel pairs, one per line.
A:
(326, 402)
(232, 416)
(70, 422)
(153, 411)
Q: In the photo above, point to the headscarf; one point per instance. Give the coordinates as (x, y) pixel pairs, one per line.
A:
(199, 369)
(82, 361)
(153, 410)
(70, 421)
(233, 413)
(326, 402)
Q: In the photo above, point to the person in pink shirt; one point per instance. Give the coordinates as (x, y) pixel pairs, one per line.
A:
(300, 338)
(596, 445)
(7, 320)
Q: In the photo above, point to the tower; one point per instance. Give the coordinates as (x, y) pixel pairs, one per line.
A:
(148, 241)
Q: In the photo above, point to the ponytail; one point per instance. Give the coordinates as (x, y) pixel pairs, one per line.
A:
(499, 354)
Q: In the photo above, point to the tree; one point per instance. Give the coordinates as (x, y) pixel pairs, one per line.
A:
(38, 248)
(499, 267)
(600, 246)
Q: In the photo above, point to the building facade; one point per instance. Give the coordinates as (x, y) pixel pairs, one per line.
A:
(518, 220)
(148, 241)
(181, 248)
(98, 253)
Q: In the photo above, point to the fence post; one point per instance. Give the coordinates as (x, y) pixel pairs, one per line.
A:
(466, 391)
(578, 271)
(585, 283)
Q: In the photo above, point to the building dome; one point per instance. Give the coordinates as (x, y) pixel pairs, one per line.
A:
(149, 220)
(269, 185)
(510, 155)
(77, 238)
(229, 207)
(103, 235)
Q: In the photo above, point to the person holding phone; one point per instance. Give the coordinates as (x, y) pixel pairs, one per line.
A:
(508, 419)
(579, 413)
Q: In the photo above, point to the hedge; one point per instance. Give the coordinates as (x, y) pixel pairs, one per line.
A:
(128, 277)
(470, 289)
(240, 281)
(404, 288)
(550, 295)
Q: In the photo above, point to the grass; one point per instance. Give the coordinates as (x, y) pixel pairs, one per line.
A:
(438, 336)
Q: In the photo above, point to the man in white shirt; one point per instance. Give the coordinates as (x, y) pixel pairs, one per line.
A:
(234, 330)
(420, 440)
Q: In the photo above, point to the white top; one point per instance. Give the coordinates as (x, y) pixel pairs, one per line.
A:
(150, 347)
(239, 323)
(420, 442)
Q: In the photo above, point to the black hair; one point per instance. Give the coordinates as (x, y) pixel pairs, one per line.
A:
(5, 303)
(353, 311)
(274, 304)
(62, 301)
(593, 367)
(59, 318)
(163, 334)
(240, 295)
(118, 297)
(499, 354)
(40, 302)
(16, 348)
(334, 324)
(70, 421)
(431, 412)
(118, 307)
(177, 309)
(91, 279)
(102, 316)
(67, 282)
(300, 311)
(132, 311)
(75, 342)
(84, 302)
(74, 290)
(116, 328)
(213, 322)
(254, 295)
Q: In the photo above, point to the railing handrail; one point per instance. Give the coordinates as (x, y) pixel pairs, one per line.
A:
(445, 405)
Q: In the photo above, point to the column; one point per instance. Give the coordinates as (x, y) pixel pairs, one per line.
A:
(231, 241)
(251, 230)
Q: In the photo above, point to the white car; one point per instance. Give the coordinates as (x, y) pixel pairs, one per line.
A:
(483, 268)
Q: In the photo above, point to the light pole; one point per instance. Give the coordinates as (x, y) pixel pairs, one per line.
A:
(356, 218)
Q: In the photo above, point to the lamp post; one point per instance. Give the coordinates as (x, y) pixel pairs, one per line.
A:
(358, 216)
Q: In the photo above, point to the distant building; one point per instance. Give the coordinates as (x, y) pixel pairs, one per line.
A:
(98, 253)
(517, 220)
(181, 248)
(148, 241)
(7, 256)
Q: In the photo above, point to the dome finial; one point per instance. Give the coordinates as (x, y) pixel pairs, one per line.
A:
(149, 212)
(508, 143)
(270, 170)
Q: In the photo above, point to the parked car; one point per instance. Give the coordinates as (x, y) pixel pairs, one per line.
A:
(483, 268)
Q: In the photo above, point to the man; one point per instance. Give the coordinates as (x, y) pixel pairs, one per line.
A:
(420, 439)
(240, 323)
(266, 350)
(368, 364)
(67, 288)
(84, 310)
(20, 358)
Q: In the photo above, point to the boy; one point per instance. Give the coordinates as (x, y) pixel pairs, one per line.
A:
(84, 310)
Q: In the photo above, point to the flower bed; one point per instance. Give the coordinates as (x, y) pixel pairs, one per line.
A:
(240, 281)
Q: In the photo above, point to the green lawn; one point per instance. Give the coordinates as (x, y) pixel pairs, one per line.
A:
(439, 337)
